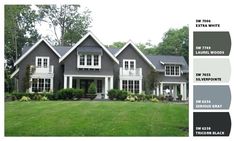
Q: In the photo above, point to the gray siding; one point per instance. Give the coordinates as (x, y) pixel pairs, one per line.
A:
(70, 62)
(130, 53)
(41, 50)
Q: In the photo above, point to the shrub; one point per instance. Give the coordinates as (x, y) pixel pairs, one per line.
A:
(154, 100)
(169, 98)
(112, 94)
(78, 93)
(65, 94)
(44, 98)
(161, 97)
(92, 88)
(141, 97)
(179, 97)
(25, 98)
(121, 95)
(148, 97)
(36, 96)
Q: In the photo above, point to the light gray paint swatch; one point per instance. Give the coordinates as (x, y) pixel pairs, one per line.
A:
(211, 97)
(211, 70)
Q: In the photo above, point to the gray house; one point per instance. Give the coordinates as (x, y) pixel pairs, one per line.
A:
(53, 68)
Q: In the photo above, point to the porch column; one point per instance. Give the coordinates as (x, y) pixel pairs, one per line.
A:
(51, 85)
(120, 84)
(157, 90)
(161, 89)
(111, 82)
(65, 82)
(140, 86)
(106, 87)
(175, 91)
(182, 90)
(70, 82)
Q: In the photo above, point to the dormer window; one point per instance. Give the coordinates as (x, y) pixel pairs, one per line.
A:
(89, 61)
(172, 70)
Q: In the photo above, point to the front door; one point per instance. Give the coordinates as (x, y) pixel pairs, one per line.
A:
(84, 84)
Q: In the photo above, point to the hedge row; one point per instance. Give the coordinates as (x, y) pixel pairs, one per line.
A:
(64, 94)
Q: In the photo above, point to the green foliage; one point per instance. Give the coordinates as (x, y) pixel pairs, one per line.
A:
(25, 98)
(72, 23)
(44, 98)
(92, 88)
(27, 78)
(112, 94)
(69, 94)
(155, 100)
(116, 94)
(117, 44)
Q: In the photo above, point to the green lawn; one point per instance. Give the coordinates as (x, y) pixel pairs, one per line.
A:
(95, 118)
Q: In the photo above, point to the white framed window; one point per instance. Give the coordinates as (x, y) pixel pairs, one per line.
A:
(87, 61)
(95, 60)
(129, 64)
(42, 62)
(172, 70)
(41, 85)
(131, 85)
(82, 62)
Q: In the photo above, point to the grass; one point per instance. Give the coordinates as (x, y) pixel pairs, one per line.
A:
(95, 118)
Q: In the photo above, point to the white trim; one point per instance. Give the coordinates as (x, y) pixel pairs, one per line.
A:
(33, 47)
(81, 40)
(99, 76)
(132, 44)
(174, 70)
(42, 63)
(44, 83)
(14, 73)
(129, 60)
(85, 66)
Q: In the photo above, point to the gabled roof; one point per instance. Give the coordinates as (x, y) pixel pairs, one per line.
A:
(29, 50)
(14, 73)
(160, 60)
(62, 49)
(113, 50)
(136, 48)
(81, 40)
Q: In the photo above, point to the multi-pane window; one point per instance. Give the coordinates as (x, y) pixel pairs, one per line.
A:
(129, 64)
(81, 59)
(131, 85)
(124, 85)
(89, 60)
(95, 60)
(34, 85)
(126, 65)
(47, 85)
(167, 70)
(99, 86)
(177, 70)
(39, 63)
(45, 62)
(172, 70)
(131, 89)
(41, 85)
(42, 62)
(136, 86)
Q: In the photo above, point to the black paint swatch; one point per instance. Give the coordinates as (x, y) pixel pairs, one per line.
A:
(211, 124)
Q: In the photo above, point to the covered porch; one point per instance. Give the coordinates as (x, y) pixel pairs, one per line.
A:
(103, 83)
(172, 89)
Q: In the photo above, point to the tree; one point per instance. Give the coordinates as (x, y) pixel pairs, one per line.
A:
(67, 18)
(118, 44)
(19, 30)
(175, 42)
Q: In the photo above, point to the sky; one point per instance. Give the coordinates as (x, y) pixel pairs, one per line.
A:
(140, 21)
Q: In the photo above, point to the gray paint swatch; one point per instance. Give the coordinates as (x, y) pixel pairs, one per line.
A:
(211, 43)
(211, 97)
(211, 70)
